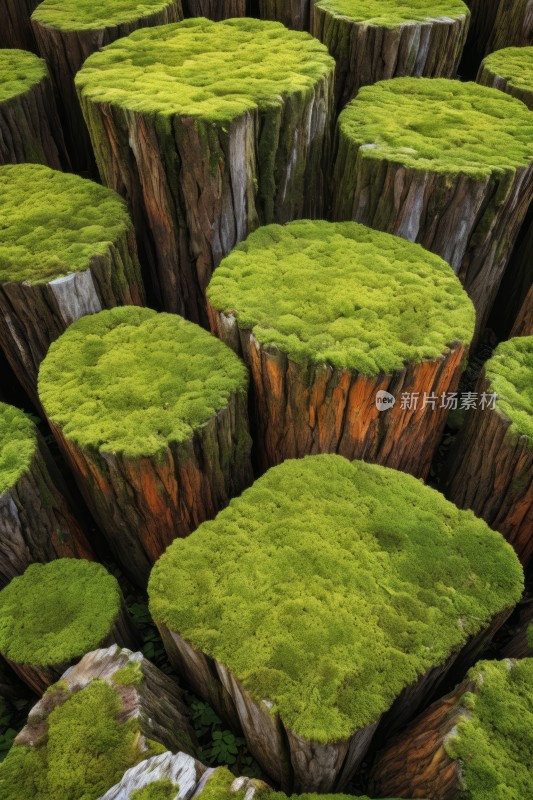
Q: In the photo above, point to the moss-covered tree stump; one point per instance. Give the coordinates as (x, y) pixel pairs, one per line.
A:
(67, 248)
(216, 9)
(294, 14)
(376, 39)
(242, 143)
(511, 71)
(30, 129)
(151, 412)
(475, 743)
(67, 32)
(328, 315)
(330, 596)
(55, 613)
(410, 161)
(36, 521)
(15, 30)
(492, 467)
(108, 713)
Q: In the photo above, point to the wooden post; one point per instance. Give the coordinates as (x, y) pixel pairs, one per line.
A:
(15, 30)
(215, 10)
(292, 13)
(202, 168)
(68, 249)
(151, 413)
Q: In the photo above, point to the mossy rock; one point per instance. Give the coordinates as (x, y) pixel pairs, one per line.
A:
(20, 71)
(510, 375)
(511, 70)
(18, 444)
(81, 15)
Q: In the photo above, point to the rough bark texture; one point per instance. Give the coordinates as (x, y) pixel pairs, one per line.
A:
(180, 769)
(189, 214)
(15, 30)
(523, 325)
(369, 53)
(300, 411)
(482, 17)
(36, 522)
(520, 645)
(32, 316)
(215, 9)
(513, 25)
(65, 52)
(292, 13)
(30, 130)
(492, 473)
(486, 77)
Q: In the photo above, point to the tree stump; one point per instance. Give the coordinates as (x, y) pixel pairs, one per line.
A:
(482, 18)
(108, 713)
(313, 607)
(473, 743)
(67, 248)
(492, 467)
(294, 14)
(55, 613)
(513, 25)
(16, 28)
(30, 129)
(511, 71)
(326, 333)
(151, 412)
(214, 9)
(67, 32)
(375, 39)
(243, 143)
(36, 522)
(427, 179)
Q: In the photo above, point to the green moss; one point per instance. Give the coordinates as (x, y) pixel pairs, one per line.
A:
(514, 65)
(329, 586)
(223, 69)
(130, 675)
(18, 443)
(19, 72)
(495, 741)
(57, 612)
(162, 789)
(344, 294)
(440, 125)
(84, 15)
(131, 380)
(54, 223)
(510, 376)
(391, 13)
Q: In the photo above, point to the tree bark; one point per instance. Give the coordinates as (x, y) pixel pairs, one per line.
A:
(292, 13)
(214, 9)
(482, 17)
(513, 25)
(15, 30)
(520, 645)
(180, 769)
(523, 325)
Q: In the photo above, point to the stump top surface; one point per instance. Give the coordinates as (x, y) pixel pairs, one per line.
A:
(513, 64)
(510, 375)
(329, 586)
(132, 381)
(391, 13)
(86, 15)
(54, 223)
(20, 70)
(18, 443)
(223, 69)
(57, 612)
(440, 125)
(344, 294)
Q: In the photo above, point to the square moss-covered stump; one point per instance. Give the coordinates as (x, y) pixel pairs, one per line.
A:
(474, 744)
(243, 141)
(67, 248)
(511, 71)
(329, 317)
(36, 520)
(67, 32)
(492, 466)
(108, 713)
(55, 613)
(443, 163)
(216, 9)
(151, 412)
(30, 129)
(376, 39)
(331, 596)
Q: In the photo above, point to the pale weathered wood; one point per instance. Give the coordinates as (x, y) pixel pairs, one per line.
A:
(186, 773)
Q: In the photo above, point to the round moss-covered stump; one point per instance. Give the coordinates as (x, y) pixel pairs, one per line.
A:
(511, 71)
(329, 317)
(328, 597)
(68, 31)
(151, 413)
(67, 248)
(410, 161)
(376, 39)
(242, 143)
(55, 613)
(36, 521)
(473, 744)
(215, 9)
(492, 468)
(30, 129)
(294, 14)
(15, 30)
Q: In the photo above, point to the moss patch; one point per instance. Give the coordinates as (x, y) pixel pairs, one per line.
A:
(131, 380)
(390, 13)
(57, 612)
(329, 586)
(83, 15)
(344, 294)
(54, 223)
(222, 68)
(510, 375)
(162, 789)
(19, 71)
(514, 65)
(18, 443)
(495, 743)
(440, 125)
